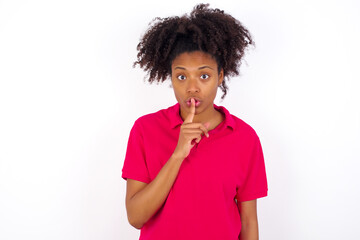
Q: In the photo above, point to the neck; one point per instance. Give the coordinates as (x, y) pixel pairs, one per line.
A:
(208, 115)
(205, 116)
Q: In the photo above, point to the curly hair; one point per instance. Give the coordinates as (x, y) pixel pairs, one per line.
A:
(208, 30)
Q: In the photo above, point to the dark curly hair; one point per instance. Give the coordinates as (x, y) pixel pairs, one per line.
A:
(208, 30)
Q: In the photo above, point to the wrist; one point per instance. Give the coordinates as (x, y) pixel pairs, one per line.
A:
(177, 157)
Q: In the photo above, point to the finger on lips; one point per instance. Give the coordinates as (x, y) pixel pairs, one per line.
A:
(189, 120)
(190, 116)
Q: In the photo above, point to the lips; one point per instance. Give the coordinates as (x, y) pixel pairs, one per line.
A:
(197, 101)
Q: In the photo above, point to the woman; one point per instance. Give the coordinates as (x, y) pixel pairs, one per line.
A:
(193, 170)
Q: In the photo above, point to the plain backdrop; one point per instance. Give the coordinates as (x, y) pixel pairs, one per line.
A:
(69, 97)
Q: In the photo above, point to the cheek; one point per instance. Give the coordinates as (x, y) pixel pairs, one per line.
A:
(213, 90)
(176, 90)
(214, 86)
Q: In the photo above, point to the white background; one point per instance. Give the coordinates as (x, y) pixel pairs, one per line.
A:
(69, 97)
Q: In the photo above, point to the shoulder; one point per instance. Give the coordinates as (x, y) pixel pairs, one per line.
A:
(243, 128)
(238, 125)
(246, 134)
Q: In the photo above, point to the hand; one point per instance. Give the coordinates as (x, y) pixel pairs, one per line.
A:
(188, 132)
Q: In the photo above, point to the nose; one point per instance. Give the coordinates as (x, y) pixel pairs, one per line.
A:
(192, 86)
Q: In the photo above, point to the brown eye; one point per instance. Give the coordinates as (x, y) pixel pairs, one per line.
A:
(204, 76)
(181, 77)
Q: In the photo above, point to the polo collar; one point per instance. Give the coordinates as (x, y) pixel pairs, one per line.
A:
(176, 120)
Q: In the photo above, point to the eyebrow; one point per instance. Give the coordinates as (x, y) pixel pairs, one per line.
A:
(198, 68)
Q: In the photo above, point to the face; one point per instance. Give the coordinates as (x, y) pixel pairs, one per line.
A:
(195, 74)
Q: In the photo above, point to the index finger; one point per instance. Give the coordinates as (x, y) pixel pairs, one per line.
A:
(189, 118)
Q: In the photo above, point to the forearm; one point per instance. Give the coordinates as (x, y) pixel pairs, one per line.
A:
(144, 204)
(249, 230)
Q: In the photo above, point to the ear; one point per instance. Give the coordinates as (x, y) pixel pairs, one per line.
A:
(221, 77)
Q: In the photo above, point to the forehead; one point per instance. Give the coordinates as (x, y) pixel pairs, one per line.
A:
(194, 59)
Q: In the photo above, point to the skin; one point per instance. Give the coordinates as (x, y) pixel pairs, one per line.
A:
(249, 222)
(194, 74)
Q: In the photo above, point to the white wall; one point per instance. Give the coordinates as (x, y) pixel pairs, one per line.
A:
(69, 96)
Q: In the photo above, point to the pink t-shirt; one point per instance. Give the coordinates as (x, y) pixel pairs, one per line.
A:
(201, 203)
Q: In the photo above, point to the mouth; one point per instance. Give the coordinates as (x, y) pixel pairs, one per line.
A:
(197, 102)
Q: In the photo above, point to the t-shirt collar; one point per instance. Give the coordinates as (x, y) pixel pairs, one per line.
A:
(176, 120)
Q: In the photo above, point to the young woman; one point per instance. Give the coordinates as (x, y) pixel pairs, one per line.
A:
(193, 170)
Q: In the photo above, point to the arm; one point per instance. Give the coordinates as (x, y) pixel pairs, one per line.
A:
(248, 216)
(143, 200)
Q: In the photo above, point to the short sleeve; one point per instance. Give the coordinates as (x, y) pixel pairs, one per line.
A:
(135, 159)
(255, 184)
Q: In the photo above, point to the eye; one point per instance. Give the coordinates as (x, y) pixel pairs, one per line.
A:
(204, 76)
(181, 77)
